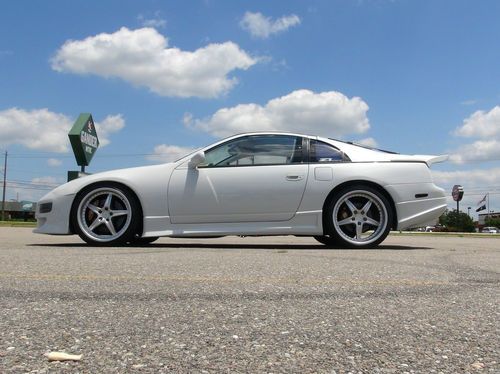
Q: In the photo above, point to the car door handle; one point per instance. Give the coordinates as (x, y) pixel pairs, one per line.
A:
(294, 177)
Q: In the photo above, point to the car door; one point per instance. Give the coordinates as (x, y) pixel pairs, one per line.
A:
(253, 178)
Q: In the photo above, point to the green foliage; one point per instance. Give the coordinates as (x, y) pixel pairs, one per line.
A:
(457, 221)
(493, 222)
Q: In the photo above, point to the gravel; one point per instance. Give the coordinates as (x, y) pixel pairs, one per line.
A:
(268, 304)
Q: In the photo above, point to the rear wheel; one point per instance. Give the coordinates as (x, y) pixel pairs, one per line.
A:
(358, 217)
(326, 240)
(106, 214)
(144, 241)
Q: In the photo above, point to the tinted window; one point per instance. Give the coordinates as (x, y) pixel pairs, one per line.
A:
(256, 150)
(323, 152)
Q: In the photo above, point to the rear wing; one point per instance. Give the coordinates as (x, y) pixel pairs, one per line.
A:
(429, 160)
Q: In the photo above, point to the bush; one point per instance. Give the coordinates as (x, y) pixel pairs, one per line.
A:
(457, 221)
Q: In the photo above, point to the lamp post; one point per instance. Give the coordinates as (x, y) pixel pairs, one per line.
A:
(468, 210)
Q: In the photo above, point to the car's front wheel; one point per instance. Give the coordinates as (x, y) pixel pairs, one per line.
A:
(358, 217)
(106, 214)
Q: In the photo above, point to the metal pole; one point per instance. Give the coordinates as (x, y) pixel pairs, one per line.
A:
(458, 202)
(4, 185)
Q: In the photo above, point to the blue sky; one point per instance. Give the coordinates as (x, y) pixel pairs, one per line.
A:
(162, 77)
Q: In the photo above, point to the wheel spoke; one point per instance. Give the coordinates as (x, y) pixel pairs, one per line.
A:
(117, 213)
(94, 224)
(111, 227)
(351, 206)
(367, 206)
(347, 221)
(359, 232)
(93, 208)
(372, 222)
(107, 203)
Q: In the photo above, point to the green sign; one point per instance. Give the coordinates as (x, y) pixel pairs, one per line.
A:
(83, 138)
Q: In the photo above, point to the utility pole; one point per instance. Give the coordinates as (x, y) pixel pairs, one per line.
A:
(4, 185)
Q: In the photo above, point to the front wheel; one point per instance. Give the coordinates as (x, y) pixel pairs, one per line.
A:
(106, 214)
(358, 217)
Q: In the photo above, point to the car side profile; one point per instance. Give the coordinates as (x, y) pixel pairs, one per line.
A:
(265, 183)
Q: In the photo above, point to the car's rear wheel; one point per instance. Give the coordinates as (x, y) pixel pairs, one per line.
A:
(144, 241)
(326, 240)
(106, 214)
(358, 217)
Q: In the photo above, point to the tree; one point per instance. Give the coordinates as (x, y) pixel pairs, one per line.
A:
(457, 221)
(495, 222)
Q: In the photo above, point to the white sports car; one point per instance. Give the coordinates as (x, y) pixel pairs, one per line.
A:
(342, 194)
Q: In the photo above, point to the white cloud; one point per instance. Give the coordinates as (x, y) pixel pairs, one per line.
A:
(481, 124)
(44, 130)
(480, 150)
(108, 126)
(142, 57)
(486, 127)
(369, 142)
(476, 183)
(54, 162)
(35, 129)
(469, 102)
(156, 21)
(261, 26)
(169, 153)
(327, 113)
(470, 178)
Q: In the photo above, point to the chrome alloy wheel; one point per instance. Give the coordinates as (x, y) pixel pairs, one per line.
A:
(104, 214)
(360, 217)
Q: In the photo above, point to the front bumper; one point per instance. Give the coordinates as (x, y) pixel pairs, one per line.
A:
(56, 221)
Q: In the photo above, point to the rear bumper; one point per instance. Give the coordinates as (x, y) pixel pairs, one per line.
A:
(417, 212)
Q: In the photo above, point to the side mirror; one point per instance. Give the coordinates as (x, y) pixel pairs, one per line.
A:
(197, 159)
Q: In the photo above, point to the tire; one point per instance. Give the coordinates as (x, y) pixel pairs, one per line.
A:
(358, 217)
(326, 240)
(144, 241)
(106, 214)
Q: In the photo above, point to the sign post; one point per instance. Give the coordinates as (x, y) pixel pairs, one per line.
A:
(84, 141)
(457, 193)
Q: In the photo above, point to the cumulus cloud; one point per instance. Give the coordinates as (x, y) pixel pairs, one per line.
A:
(54, 162)
(481, 124)
(169, 153)
(260, 26)
(369, 142)
(142, 57)
(327, 113)
(108, 126)
(471, 178)
(476, 183)
(44, 130)
(484, 126)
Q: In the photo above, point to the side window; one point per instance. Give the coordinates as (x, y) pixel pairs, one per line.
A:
(323, 152)
(256, 150)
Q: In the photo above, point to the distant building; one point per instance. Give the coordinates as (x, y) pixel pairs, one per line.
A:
(19, 210)
(482, 217)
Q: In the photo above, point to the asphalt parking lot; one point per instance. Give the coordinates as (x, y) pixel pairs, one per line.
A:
(276, 305)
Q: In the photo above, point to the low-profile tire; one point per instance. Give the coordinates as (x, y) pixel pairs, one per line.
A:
(326, 240)
(358, 216)
(106, 214)
(145, 241)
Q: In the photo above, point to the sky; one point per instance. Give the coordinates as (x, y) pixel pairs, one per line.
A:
(164, 77)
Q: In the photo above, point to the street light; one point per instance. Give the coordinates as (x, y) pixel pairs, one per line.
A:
(468, 210)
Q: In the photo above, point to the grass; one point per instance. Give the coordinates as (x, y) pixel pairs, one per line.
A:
(446, 234)
(17, 224)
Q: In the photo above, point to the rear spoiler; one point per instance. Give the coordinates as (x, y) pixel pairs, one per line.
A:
(429, 160)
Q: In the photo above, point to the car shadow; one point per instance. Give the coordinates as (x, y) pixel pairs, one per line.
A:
(270, 246)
